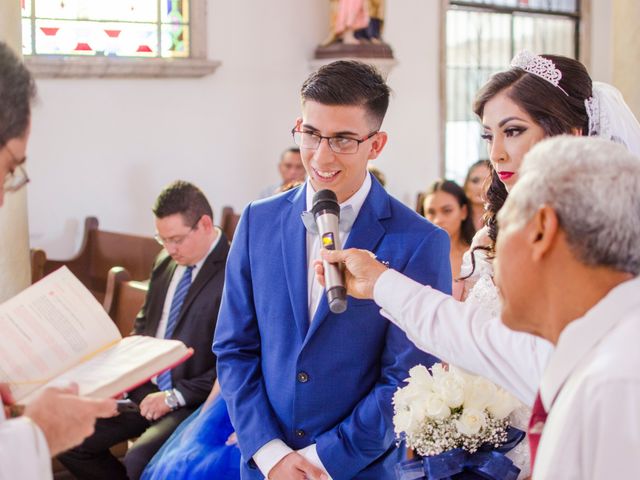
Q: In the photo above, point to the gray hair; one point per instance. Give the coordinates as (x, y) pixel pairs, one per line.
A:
(593, 185)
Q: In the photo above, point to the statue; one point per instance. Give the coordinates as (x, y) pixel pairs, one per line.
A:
(355, 30)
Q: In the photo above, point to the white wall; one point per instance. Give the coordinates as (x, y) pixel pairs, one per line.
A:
(107, 147)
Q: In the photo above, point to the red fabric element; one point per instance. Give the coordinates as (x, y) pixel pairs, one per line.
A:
(536, 424)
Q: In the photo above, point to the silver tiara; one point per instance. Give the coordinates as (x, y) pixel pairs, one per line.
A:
(539, 66)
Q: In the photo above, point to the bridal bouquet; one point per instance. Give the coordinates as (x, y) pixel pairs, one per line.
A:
(447, 414)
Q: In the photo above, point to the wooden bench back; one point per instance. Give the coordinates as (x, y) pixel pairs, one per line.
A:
(101, 250)
(123, 299)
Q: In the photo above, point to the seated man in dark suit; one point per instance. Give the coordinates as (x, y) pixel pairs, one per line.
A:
(182, 303)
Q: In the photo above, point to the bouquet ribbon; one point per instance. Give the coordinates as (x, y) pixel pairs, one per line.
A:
(486, 463)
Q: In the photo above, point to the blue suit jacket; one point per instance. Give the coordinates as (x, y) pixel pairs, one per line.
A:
(329, 381)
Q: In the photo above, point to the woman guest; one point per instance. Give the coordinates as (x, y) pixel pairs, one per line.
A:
(446, 205)
(474, 188)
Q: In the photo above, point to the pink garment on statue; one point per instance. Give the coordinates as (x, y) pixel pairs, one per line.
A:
(352, 15)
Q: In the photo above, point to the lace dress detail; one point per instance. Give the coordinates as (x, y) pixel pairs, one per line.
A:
(480, 290)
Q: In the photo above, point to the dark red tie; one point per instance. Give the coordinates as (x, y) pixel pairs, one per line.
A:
(536, 424)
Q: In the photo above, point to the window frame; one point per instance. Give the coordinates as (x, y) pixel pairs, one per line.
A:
(196, 65)
(581, 39)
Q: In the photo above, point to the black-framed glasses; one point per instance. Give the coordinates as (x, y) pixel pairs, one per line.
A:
(176, 240)
(17, 177)
(337, 144)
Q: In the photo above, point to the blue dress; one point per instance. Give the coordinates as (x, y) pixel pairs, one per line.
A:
(197, 449)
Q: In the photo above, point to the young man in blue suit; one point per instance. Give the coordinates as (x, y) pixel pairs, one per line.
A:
(309, 392)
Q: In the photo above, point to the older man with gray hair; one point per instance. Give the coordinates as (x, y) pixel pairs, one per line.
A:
(567, 258)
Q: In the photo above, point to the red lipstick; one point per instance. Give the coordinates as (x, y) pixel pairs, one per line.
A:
(505, 175)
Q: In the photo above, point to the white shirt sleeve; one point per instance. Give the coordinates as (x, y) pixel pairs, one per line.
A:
(270, 454)
(24, 453)
(463, 335)
(310, 453)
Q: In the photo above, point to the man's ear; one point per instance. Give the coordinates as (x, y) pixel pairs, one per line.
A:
(298, 123)
(206, 222)
(543, 232)
(377, 144)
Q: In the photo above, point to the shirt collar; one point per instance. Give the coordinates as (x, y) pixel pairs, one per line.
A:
(356, 200)
(214, 244)
(579, 337)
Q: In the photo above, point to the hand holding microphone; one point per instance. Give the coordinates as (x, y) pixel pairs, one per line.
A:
(326, 212)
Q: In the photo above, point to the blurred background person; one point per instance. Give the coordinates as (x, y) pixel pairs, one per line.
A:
(474, 189)
(291, 172)
(446, 206)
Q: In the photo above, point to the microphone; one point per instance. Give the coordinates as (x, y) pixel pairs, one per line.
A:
(326, 213)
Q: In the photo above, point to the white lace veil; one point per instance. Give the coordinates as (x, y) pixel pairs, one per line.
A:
(611, 118)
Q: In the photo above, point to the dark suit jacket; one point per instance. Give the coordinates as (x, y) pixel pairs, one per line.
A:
(196, 324)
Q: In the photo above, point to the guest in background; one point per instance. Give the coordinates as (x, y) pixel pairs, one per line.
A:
(291, 172)
(474, 189)
(185, 290)
(446, 205)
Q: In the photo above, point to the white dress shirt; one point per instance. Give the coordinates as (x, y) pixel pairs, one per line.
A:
(24, 453)
(272, 452)
(166, 308)
(463, 334)
(591, 389)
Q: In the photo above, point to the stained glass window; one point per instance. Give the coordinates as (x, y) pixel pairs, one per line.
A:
(481, 38)
(113, 28)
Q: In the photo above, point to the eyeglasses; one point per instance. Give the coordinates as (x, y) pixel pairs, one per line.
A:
(176, 240)
(311, 141)
(16, 178)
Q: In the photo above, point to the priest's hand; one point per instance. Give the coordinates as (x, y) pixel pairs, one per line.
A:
(362, 270)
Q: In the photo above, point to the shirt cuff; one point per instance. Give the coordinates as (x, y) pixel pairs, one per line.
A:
(310, 453)
(270, 454)
(180, 398)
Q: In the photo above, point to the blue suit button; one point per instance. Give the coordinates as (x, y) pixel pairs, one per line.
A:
(303, 377)
(300, 433)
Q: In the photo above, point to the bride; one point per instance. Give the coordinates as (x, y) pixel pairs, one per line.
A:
(539, 97)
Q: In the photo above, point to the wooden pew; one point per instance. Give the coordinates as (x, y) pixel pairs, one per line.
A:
(229, 221)
(38, 260)
(102, 250)
(123, 299)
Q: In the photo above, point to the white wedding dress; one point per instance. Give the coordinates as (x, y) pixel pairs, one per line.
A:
(479, 289)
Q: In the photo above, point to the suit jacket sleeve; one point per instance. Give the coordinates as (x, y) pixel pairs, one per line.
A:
(368, 432)
(237, 347)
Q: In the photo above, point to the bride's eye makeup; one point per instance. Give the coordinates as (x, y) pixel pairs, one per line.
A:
(514, 131)
(487, 137)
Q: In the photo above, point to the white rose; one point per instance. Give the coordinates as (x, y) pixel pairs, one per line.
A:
(421, 378)
(438, 370)
(436, 407)
(402, 422)
(479, 393)
(471, 421)
(451, 389)
(503, 404)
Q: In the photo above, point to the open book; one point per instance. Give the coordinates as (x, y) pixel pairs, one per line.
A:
(55, 332)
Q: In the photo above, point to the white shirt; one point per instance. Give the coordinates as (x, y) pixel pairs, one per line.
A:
(463, 334)
(166, 308)
(275, 450)
(24, 453)
(591, 389)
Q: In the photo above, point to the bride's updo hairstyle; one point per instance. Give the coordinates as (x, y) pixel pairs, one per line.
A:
(557, 109)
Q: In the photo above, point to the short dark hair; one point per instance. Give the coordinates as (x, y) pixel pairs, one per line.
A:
(289, 150)
(17, 91)
(347, 82)
(183, 198)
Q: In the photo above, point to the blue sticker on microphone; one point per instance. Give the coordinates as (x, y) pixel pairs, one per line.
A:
(328, 241)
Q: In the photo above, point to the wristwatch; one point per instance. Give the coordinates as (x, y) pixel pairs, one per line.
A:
(171, 399)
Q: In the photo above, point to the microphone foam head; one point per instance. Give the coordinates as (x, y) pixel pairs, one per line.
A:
(325, 200)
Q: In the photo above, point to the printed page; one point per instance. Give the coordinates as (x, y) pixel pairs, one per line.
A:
(127, 364)
(49, 327)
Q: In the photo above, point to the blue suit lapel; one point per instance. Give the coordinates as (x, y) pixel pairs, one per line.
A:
(366, 233)
(294, 256)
